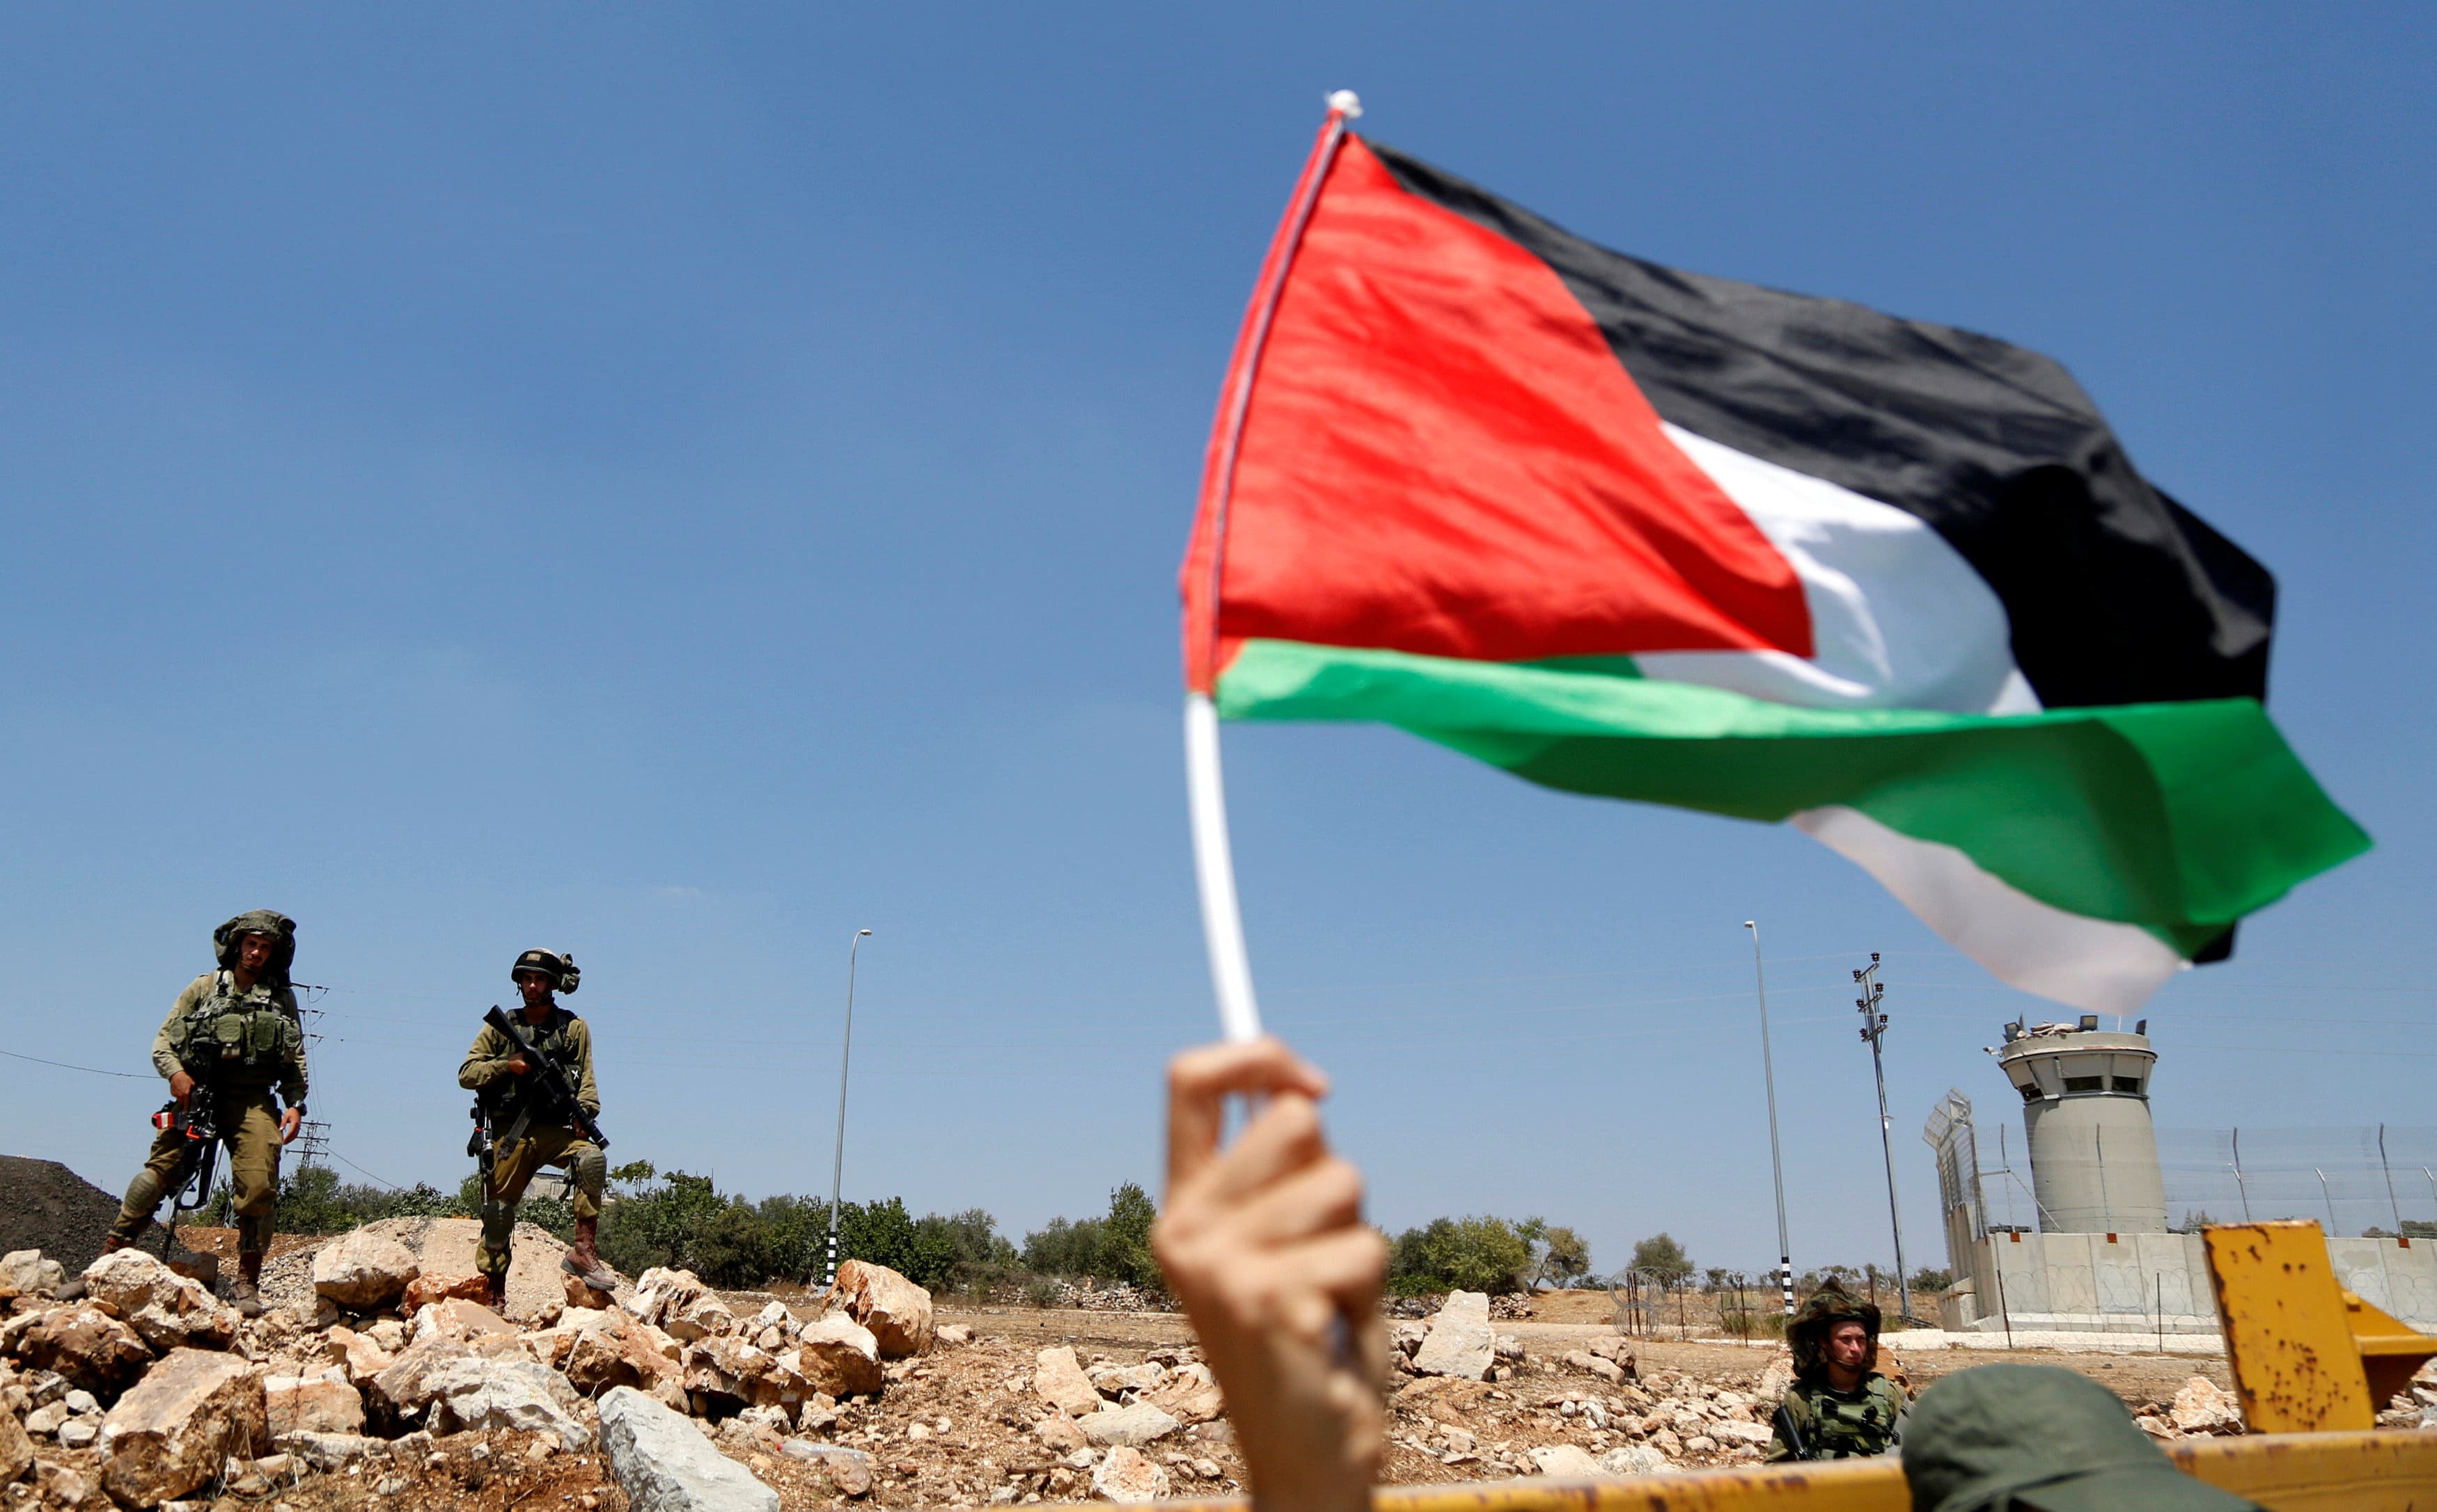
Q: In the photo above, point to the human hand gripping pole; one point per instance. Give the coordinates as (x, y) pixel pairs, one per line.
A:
(1264, 1244)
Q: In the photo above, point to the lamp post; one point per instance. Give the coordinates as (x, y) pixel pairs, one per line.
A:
(837, 1160)
(1776, 1163)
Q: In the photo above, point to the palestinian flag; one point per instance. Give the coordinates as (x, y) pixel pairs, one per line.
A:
(1624, 529)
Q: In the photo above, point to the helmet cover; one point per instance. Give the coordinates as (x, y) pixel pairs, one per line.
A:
(282, 930)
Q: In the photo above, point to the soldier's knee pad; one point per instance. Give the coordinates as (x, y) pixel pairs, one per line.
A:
(589, 1169)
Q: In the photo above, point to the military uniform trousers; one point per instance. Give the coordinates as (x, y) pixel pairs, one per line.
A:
(512, 1166)
(250, 1129)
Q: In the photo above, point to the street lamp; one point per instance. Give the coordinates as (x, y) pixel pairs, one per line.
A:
(837, 1160)
(1776, 1164)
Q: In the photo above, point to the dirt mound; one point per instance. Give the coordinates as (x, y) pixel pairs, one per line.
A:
(45, 1206)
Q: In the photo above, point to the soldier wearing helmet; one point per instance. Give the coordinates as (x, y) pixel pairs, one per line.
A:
(234, 1033)
(517, 1102)
(1839, 1406)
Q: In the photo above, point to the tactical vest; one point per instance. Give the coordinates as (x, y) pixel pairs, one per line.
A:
(234, 1039)
(503, 1097)
(1835, 1426)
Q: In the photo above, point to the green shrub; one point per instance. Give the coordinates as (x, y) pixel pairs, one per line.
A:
(1462, 1254)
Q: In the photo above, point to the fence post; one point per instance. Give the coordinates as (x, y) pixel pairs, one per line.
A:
(2162, 1312)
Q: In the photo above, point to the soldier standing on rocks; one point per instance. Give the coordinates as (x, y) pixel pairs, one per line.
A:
(1839, 1406)
(536, 1130)
(235, 1033)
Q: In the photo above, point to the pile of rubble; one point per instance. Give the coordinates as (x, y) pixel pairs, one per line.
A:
(153, 1391)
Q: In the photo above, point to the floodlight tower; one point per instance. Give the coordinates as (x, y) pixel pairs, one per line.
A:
(1874, 1028)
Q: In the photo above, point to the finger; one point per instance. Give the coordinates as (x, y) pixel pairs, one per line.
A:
(1321, 1280)
(1321, 1198)
(1282, 1139)
(1200, 1082)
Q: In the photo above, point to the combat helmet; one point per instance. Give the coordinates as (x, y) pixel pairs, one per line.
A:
(558, 966)
(282, 930)
(1807, 1334)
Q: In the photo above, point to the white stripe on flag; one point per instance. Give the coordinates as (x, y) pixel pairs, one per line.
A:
(2095, 965)
(1898, 618)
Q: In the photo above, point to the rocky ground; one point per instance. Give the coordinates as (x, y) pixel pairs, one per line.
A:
(377, 1383)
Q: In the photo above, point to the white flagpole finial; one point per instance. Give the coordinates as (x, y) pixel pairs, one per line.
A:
(1345, 102)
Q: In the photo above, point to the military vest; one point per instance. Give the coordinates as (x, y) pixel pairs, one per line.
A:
(1835, 1426)
(505, 1097)
(237, 1039)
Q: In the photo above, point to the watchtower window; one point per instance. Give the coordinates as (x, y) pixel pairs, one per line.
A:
(2129, 1084)
(2030, 1091)
(2085, 1084)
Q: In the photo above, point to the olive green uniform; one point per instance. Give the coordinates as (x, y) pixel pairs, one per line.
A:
(567, 1040)
(1842, 1424)
(243, 1048)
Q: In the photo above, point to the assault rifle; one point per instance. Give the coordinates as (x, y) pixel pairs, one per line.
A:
(1790, 1432)
(198, 1118)
(548, 1080)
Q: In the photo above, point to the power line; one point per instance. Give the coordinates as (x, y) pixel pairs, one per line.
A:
(92, 1070)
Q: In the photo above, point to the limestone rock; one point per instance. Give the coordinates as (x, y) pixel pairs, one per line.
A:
(849, 1469)
(1735, 1431)
(1582, 1360)
(2203, 1407)
(1059, 1434)
(517, 1395)
(1113, 1381)
(1460, 1343)
(330, 1452)
(664, 1464)
(16, 1449)
(425, 1290)
(661, 1292)
(1059, 1379)
(1633, 1459)
(702, 1317)
(896, 1311)
(410, 1384)
(459, 1320)
(1128, 1475)
(26, 1272)
(362, 1271)
(841, 1357)
(1567, 1460)
(323, 1402)
(581, 1293)
(609, 1348)
(1129, 1427)
(1779, 1376)
(175, 1430)
(85, 1345)
(1191, 1394)
(953, 1334)
(725, 1366)
(355, 1354)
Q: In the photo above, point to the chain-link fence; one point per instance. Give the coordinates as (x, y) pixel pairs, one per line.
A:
(2351, 1180)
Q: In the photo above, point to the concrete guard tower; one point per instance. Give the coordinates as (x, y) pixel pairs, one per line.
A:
(2086, 1108)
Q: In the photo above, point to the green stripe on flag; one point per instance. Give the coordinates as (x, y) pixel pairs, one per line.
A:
(2180, 818)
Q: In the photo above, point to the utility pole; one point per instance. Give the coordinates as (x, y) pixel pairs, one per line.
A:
(1874, 1028)
(1775, 1162)
(837, 1160)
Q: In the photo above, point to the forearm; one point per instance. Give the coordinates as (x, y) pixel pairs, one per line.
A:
(480, 1072)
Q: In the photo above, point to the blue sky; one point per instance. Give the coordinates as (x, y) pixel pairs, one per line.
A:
(681, 484)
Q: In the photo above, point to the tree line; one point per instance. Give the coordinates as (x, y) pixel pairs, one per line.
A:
(675, 1219)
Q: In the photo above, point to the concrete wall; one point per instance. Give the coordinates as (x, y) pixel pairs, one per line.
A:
(2144, 1282)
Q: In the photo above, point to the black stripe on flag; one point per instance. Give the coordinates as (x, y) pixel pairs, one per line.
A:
(2116, 592)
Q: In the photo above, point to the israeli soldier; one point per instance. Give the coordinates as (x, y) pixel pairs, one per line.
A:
(233, 1033)
(1839, 1406)
(534, 1128)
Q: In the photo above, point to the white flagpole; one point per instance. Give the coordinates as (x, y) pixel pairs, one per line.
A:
(1214, 864)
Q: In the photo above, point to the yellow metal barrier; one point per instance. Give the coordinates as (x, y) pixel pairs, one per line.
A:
(2306, 1355)
(2284, 1472)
